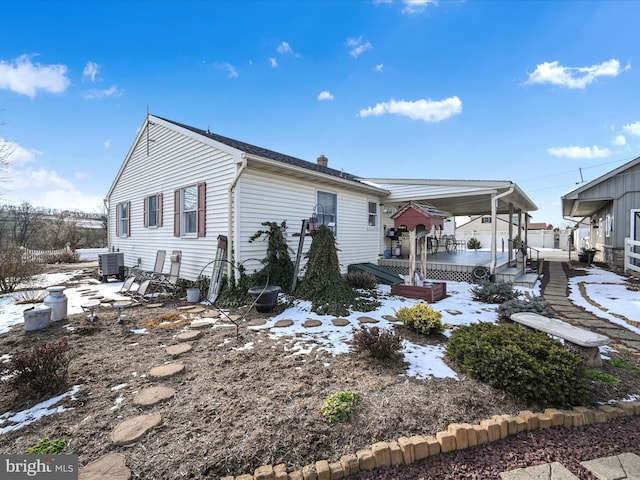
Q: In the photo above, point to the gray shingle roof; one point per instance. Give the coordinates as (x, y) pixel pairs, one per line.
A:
(268, 154)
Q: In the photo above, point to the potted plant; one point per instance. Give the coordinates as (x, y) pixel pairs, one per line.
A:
(265, 297)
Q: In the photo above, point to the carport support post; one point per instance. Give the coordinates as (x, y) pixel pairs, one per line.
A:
(494, 227)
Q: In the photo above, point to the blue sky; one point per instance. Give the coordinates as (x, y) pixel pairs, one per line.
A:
(543, 93)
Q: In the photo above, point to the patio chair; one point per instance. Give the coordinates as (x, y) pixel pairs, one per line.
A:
(143, 292)
(127, 285)
(157, 267)
(167, 281)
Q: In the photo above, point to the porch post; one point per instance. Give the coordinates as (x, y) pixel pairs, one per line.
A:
(412, 257)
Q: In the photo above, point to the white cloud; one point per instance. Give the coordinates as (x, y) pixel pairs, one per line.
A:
(579, 152)
(325, 95)
(619, 141)
(70, 199)
(113, 91)
(380, 67)
(412, 7)
(632, 128)
(15, 154)
(26, 78)
(357, 47)
(91, 70)
(231, 70)
(285, 49)
(427, 110)
(107, 144)
(273, 62)
(574, 77)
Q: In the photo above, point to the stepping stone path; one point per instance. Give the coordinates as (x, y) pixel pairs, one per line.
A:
(179, 349)
(390, 318)
(164, 371)
(154, 305)
(109, 467)
(340, 322)
(256, 322)
(151, 396)
(312, 323)
(283, 323)
(367, 320)
(113, 466)
(134, 429)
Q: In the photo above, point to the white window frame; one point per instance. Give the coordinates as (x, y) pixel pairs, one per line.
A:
(153, 215)
(186, 215)
(123, 214)
(372, 217)
(324, 214)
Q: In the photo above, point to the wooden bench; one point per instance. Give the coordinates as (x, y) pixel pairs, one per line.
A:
(579, 340)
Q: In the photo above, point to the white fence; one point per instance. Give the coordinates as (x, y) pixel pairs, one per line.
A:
(535, 239)
(41, 256)
(631, 255)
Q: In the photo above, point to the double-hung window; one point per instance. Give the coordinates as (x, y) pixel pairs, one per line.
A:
(153, 210)
(327, 210)
(122, 219)
(189, 211)
(372, 220)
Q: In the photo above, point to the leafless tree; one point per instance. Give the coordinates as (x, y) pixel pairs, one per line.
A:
(26, 223)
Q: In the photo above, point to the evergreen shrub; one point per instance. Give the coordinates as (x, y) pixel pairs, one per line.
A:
(423, 318)
(339, 406)
(515, 305)
(494, 292)
(528, 364)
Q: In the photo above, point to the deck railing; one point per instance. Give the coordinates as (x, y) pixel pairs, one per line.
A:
(631, 255)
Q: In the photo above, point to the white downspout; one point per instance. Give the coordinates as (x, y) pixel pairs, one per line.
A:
(494, 227)
(230, 222)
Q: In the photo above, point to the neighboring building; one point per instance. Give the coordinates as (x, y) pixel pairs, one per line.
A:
(180, 187)
(611, 204)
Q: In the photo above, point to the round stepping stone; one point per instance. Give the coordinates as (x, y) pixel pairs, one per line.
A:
(167, 370)
(234, 318)
(153, 395)
(178, 349)
(154, 305)
(283, 323)
(133, 429)
(453, 312)
(210, 314)
(256, 322)
(109, 467)
(340, 322)
(197, 310)
(185, 307)
(312, 323)
(367, 320)
(189, 335)
(390, 318)
(200, 323)
(96, 297)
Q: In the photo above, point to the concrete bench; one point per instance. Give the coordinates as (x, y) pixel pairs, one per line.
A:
(579, 340)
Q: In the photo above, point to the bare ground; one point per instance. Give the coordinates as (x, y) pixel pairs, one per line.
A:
(236, 409)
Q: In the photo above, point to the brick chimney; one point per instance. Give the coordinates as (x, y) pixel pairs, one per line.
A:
(323, 161)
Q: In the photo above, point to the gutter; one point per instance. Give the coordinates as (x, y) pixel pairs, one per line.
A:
(494, 227)
(230, 222)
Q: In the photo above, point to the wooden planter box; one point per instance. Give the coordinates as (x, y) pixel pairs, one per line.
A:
(432, 293)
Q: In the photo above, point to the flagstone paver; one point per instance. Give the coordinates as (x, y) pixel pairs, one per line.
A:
(109, 467)
(210, 314)
(133, 429)
(256, 322)
(283, 323)
(188, 335)
(152, 395)
(179, 349)
(390, 318)
(617, 467)
(365, 319)
(548, 471)
(167, 370)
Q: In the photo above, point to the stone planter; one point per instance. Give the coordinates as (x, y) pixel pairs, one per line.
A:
(37, 318)
(431, 292)
(266, 297)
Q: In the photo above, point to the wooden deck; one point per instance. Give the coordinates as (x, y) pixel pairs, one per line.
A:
(459, 266)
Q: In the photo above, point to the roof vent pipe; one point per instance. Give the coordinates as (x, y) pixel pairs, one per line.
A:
(323, 161)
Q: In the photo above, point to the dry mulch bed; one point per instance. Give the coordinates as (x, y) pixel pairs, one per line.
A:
(239, 408)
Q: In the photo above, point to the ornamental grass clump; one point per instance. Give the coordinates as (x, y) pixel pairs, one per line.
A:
(527, 364)
(339, 406)
(423, 318)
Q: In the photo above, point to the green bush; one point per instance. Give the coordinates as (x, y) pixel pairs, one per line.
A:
(422, 317)
(339, 406)
(41, 371)
(473, 244)
(494, 292)
(527, 364)
(363, 280)
(278, 266)
(515, 305)
(47, 446)
(380, 343)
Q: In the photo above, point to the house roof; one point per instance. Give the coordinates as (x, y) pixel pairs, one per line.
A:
(576, 204)
(268, 154)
